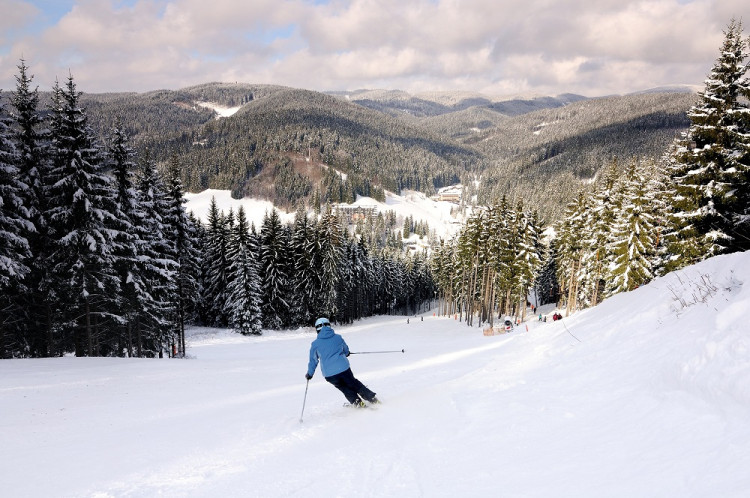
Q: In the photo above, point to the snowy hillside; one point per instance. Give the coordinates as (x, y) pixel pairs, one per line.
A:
(646, 395)
(220, 110)
(438, 214)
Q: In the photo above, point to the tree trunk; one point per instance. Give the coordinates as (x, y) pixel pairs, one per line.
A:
(89, 335)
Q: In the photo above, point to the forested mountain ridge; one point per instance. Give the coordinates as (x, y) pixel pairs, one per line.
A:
(276, 143)
(399, 103)
(548, 155)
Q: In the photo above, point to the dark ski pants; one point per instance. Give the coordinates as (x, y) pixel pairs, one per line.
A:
(350, 386)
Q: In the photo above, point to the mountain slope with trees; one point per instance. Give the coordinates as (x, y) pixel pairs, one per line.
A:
(292, 146)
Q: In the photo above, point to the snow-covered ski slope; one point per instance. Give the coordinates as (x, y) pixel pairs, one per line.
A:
(646, 395)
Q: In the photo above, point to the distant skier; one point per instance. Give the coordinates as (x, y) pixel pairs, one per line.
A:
(331, 350)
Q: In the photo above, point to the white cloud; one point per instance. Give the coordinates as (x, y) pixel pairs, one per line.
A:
(510, 46)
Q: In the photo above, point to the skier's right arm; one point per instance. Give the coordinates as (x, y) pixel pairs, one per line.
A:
(313, 363)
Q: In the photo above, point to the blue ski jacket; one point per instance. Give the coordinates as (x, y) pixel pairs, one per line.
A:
(331, 350)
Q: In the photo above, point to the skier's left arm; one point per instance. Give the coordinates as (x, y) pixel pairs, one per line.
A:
(345, 347)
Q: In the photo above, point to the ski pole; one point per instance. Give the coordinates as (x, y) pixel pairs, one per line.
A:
(304, 401)
(378, 352)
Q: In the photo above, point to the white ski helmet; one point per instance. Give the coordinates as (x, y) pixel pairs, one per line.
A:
(321, 322)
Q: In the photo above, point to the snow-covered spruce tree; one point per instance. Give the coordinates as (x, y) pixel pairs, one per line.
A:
(81, 212)
(422, 286)
(181, 235)
(634, 245)
(31, 141)
(128, 237)
(390, 283)
(244, 291)
(156, 255)
(709, 166)
(330, 245)
(14, 247)
(198, 308)
(468, 253)
(505, 230)
(364, 278)
(572, 231)
(442, 267)
(527, 254)
(238, 235)
(274, 271)
(217, 265)
(305, 277)
(596, 258)
(487, 259)
(547, 286)
(346, 284)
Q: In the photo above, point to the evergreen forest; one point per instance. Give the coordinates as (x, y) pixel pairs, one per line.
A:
(98, 256)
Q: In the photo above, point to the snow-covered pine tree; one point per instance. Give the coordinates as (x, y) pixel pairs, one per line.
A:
(439, 263)
(661, 191)
(198, 308)
(274, 271)
(157, 258)
(468, 254)
(363, 278)
(81, 210)
(572, 231)
(595, 262)
(14, 247)
(424, 287)
(181, 234)
(31, 142)
(346, 285)
(217, 264)
(547, 286)
(527, 255)
(506, 229)
(128, 233)
(709, 166)
(305, 277)
(14, 217)
(634, 246)
(244, 291)
(330, 245)
(238, 235)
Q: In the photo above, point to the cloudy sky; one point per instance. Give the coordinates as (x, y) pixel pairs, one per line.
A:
(497, 47)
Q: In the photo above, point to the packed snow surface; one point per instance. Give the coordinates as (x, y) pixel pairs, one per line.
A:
(646, 395)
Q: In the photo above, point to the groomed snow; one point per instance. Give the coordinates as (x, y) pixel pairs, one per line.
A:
(646, 395)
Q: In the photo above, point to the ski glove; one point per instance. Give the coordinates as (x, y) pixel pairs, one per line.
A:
(308, 376)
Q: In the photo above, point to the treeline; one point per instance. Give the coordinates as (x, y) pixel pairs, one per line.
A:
(547, 156)
(95, 261)
(489, 267)
(285, 276)
(98, 256)
(656, 218)
(635, 223)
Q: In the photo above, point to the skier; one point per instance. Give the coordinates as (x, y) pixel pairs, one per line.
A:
(331, 350)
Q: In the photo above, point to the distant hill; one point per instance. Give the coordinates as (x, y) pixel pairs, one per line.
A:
(294, 146)
(398, 103)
